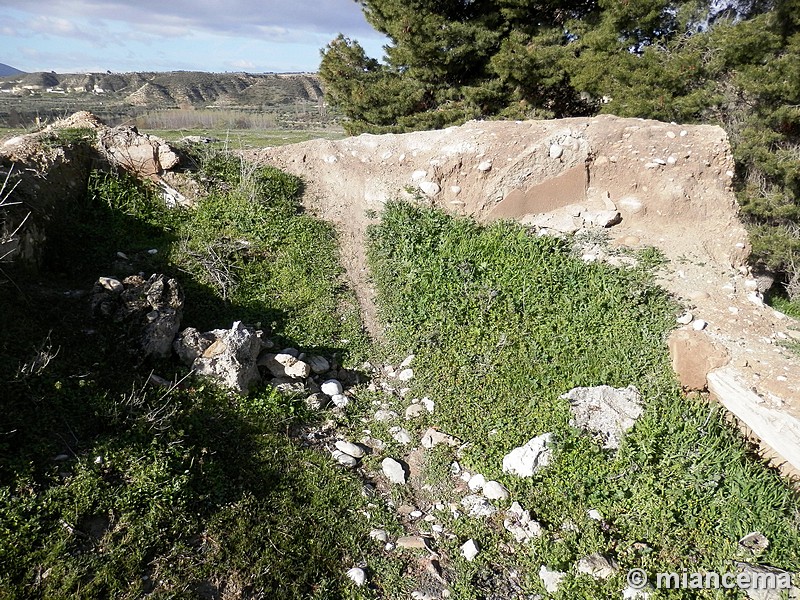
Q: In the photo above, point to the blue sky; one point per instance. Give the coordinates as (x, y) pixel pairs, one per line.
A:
(166, 35)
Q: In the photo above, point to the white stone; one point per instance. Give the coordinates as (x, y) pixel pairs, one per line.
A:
(525, 460)
(494, 490)
(685, 318)
(556, 151)
(699, 325)
(406, 375)
(414, 411)
(111, 284)
(340, 400)
(332, 387)
(428, 404)
(519, 523)
(485, 166)
(606, 411)
(344, 459)
(383, 415)
(469, 550)
(406, 361)
(379, 535)
(671, 160)
(477, 506)
(429, 187)
(455, 189)
(400, 435)
(357, 576)
(350, 448)
(394, 471)
(419, 175)
(476, 482)
(597, 566)
(551, 579)
(594, 514)
(756, 298)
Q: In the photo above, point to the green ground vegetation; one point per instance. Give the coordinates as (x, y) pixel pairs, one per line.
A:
(111, 488)
(502, 323)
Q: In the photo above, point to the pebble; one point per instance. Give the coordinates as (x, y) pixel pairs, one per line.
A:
(485, 166)
(429, 187)
(332, 387)
(357, 576)
(406, 375)
(406, 361)
(556, 151)
(111, 284)
(152, 251)
(344, 459)
(318, 364)
(685, 318)
(340, 400)
(470, 550)
(414, 411)
(428, 404)
(394, 471)
(350, 448)
(699, 325)
(385, 415)
(551, 579)
(379, 535)
(594, 514)
(400, 435)
(494, 490)
(476, 482)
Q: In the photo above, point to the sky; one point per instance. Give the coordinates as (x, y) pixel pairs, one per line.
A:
(256, 36)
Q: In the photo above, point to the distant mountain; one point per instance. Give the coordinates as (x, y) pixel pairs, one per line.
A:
(6, 70)
(177, 89)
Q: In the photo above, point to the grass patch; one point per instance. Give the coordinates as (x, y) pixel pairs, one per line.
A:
(502, 323)
(112, 489)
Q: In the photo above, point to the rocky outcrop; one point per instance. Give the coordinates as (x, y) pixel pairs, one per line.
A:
(148, 311)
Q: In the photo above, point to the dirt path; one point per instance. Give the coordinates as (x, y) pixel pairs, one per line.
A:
(670, 184)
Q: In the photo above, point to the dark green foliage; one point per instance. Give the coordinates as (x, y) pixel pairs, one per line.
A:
(674, 60)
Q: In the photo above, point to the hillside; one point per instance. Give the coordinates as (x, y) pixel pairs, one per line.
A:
(118, 96)
(8, 70)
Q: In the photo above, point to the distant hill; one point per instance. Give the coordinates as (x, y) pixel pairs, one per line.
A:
(120, 96)
(8, 70)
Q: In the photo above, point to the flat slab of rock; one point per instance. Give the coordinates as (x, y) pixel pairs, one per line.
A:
(694, 356)
(606, 411)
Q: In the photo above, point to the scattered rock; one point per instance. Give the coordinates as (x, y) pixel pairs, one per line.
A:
(344, 459)
(332, 387)
(755, 542)
(340, 400)
(433, 437)
(406, 375)
(476, 482)
(190, 344)
(353, 450)
(429, 188)
(316, 401)
(414, 411)
(699, 325)
(477, 506)
(383, 415)
(379, 535)
(685, 318)
(394, 471)
(556, 151)
(494, 490)
(469, 550)
(285, 365)
(525, 460)
(357, 576)
(605, 410)
(485, 166)
(231, 359)
(428, 404)
(412, 542)
(551, 579)
(149, 311)
(520, 524)
(318, 364)
(597, 565)
(400, 435)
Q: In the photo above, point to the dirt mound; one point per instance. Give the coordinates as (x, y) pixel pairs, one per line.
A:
(658, 184)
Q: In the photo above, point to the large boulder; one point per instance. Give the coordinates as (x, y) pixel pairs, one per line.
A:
(606, 411)
(227, 356)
